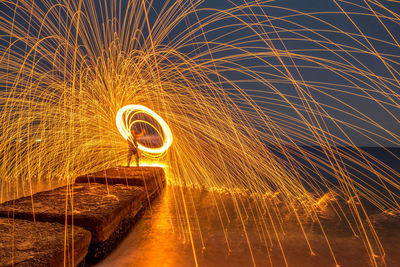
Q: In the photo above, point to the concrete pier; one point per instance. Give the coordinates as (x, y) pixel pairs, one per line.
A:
(24, 243)
(106, 204)
(152, 179)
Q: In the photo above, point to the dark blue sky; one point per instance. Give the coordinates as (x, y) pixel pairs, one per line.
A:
(353, 97)
(371, 27)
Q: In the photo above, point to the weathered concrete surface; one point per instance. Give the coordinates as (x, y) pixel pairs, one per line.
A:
(96, 207)
(125, 175)
(151, 178)
(25, 243)
(107, 206)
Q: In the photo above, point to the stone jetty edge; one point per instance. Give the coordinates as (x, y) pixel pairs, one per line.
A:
(105, 205)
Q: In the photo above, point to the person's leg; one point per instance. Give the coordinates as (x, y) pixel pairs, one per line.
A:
(137, 159)
(129, 157)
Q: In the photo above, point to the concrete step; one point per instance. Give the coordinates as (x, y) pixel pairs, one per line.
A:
(25, 243)
(107, 206)
(152, 178)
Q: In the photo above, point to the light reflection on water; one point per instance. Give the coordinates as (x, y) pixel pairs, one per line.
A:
(220, 226)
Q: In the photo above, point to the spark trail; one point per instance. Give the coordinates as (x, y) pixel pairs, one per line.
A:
(245, 90)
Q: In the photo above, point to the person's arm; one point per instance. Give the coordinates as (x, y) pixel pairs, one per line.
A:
(141, 133)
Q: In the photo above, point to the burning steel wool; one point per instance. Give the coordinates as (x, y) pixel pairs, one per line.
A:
(125, 121)
(259, 99)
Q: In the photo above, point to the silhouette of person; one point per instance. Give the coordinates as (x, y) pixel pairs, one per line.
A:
(133, 146)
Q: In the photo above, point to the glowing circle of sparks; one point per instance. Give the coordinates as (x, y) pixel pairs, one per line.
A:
(124, 124)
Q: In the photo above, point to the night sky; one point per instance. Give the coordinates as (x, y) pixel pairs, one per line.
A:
(289, 9)
(369, 25)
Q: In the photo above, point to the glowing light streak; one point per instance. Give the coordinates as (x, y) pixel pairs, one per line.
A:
(125, 122)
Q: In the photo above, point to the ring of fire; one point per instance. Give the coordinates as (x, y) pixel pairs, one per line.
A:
(124, 125)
